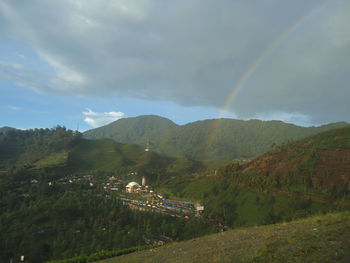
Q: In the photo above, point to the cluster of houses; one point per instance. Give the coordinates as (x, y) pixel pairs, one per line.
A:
(113, 184)
(160, 201)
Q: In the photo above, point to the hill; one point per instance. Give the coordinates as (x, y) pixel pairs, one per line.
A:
(63, 151)
(236, 195)
(5, 129)
(120, 159)
(317, 239)
(24, 147)
(53, 203)
(317, 166)
(308, 176)
(223, 139)
(136, 130)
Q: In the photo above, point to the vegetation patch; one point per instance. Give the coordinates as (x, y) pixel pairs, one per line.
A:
(317, 239)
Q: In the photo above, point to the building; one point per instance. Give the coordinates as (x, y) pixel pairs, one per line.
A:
(147, 146)
(199, 209)
(132, 187)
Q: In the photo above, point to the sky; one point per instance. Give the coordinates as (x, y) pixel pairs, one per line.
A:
(83, 64)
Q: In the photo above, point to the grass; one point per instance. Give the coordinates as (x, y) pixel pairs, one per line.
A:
(96, 154)
(54, 159)
(323, 238)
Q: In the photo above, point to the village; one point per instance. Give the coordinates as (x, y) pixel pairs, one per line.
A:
(132, 194)
(148, 199)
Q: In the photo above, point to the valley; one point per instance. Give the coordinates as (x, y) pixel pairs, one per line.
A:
(81, 197)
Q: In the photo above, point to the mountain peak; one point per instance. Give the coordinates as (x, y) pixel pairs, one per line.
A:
(207, 139)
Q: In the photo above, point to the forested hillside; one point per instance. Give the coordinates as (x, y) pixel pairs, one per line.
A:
(298, 179)
(224, 139)
(5, 129)
(65, 151)
(51, 207)
(120, 159)
(317, 166)
(54, 221)
(23, 147)
(53, 203)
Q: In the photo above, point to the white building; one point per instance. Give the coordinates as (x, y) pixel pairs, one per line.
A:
(132, 187)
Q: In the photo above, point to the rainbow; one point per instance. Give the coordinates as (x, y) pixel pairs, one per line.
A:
(254, 66)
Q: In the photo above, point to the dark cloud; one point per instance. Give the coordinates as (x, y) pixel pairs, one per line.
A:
(189, 52)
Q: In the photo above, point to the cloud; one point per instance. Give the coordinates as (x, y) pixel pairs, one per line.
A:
(15, 108)
(296, 118)
(189, 52)
(96, 119)
(21, 56)
(26, 77)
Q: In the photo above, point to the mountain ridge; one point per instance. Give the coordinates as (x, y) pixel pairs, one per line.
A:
(211, 139)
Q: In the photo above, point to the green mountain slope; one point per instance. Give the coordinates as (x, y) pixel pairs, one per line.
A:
(224, 139)
(24, 147)
(317, 239)
(108, 155)
(317, 166)
(63, 151)
(136, 130)
(296, 180)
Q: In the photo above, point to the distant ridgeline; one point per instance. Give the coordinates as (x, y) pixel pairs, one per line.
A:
(64, 151)
(224, 139)
(22, 147)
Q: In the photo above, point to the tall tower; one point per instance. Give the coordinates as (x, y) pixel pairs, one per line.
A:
(143, 180)
(147, 146)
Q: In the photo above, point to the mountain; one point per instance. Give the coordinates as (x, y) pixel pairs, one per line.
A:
(298, 179)
(136, 130)
(317, 166)
(121, 159)
(45, 168)
(62, 150)
(22, 147)
(224, 139)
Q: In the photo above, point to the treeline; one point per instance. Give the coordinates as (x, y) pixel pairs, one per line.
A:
(58, 221)
(20, 147)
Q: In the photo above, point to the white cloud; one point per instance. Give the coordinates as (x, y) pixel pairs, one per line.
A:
(21, 56)
(97, 119)
(188, 52)
(15, 108)
(289, 117)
